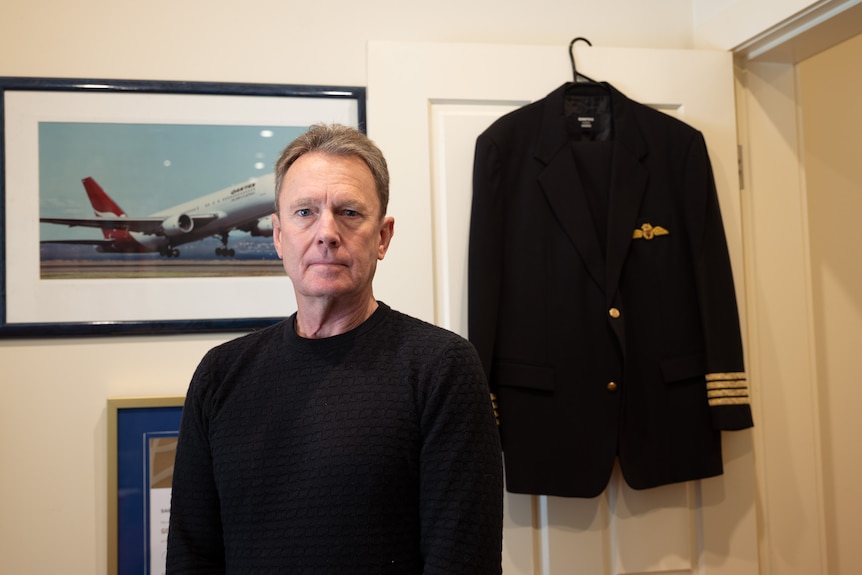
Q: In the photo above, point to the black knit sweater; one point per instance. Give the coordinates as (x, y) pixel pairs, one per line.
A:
(374, 451)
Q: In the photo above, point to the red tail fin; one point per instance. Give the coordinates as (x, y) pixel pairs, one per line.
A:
(102, 204)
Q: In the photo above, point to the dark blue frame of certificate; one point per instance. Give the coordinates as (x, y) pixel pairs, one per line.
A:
(134, 425)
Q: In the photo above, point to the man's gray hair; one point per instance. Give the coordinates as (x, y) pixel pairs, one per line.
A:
(337, 140)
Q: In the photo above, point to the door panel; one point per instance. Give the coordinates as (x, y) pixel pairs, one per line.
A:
(454, 128)
(427, 104)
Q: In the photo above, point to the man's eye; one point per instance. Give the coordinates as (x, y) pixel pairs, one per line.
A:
(351, 213)
(303, 212)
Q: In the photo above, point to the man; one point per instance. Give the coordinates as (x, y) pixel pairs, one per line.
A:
(349, 438)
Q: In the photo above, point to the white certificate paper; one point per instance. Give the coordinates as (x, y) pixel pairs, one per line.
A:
(160, 514)
(162, 452)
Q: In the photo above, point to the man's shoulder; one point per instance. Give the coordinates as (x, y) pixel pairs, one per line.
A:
(411, 329)
(413, 323)
(254, 340)
(246, 357)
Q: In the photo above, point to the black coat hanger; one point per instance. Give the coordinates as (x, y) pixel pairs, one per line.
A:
(578, 77)
(587, 101)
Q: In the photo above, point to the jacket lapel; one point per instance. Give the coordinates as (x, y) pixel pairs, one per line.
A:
(565, 192)
(562, 186)
(629, 178)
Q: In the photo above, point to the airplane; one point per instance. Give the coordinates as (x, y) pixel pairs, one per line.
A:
(246, 206)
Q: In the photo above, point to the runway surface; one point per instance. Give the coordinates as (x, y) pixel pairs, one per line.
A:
(112, 269)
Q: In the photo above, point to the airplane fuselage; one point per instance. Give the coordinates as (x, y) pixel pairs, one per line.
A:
(247, 205)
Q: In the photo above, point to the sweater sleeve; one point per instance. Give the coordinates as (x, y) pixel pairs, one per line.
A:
(195, 539)
(461, 483)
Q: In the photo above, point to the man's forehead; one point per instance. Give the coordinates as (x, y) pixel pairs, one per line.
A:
(319, 176)
(317, 157)
(327, 196)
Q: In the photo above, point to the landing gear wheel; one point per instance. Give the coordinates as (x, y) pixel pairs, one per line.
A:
(224, 251)
(170, 253)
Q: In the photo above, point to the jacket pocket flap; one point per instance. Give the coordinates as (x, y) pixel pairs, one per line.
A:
(512, 374)
(680, 368)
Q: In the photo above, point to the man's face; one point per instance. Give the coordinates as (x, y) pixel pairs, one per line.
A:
(329, 231)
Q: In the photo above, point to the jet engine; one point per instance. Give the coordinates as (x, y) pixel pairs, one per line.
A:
(178, 225)
(262, 227)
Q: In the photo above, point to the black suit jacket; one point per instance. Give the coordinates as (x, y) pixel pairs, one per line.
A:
(601, 298)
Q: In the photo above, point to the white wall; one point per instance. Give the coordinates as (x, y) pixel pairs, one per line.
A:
(52, 411)
(53, 429)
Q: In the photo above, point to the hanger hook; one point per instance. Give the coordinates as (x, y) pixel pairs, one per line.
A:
(572, 55)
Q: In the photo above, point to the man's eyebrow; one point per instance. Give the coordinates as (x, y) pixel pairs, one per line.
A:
(340, 202)
(301, 201)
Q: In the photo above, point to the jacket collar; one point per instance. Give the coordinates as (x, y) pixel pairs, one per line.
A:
(562, 185)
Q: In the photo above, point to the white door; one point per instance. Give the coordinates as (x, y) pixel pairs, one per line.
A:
(427, 103)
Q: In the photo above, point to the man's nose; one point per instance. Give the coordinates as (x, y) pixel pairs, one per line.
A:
(327, 229)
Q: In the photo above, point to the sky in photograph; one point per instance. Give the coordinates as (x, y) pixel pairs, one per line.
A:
(146, 168)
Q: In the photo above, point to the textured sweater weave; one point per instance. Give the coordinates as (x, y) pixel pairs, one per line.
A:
(374, 451)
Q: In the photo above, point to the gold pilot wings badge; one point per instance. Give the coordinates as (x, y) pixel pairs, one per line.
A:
(648, 232)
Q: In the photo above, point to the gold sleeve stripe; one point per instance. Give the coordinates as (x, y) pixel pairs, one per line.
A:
(729, 401)
(730, 376)
(740, 384)
(496, 408)
(727, 388)
(728, 392)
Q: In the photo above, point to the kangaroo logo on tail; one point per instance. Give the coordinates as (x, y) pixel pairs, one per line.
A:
(101, 202)
(103, 206)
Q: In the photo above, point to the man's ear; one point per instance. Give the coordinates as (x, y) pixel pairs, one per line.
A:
(276, 235)
(387, 230)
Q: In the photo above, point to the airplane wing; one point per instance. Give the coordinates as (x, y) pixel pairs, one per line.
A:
(149, 225)
(259, 227)
(80, 242)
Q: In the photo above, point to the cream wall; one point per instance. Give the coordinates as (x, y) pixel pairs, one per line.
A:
(731, 24)
(52, 413)
(297, 42)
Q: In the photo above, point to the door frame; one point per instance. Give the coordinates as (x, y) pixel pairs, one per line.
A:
(779, 294)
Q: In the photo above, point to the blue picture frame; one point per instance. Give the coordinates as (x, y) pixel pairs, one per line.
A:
(134, 424)
(34, 307)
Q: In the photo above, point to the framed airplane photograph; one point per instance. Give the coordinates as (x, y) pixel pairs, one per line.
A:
(131, 207)
(142, 444)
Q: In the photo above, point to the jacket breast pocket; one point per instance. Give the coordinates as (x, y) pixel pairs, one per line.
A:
(516, 374)
(680, 369)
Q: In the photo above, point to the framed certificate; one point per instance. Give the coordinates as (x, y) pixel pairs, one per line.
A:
(142, 442)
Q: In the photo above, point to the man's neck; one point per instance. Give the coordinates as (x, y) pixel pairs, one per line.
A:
(326, 318)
